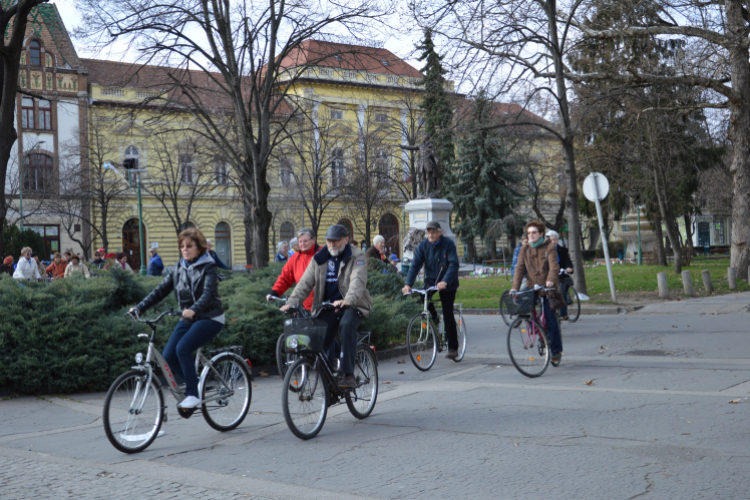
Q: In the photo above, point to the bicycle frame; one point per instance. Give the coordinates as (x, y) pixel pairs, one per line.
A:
(426, 312)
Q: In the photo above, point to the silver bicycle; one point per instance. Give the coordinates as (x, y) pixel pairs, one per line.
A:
(134, 408)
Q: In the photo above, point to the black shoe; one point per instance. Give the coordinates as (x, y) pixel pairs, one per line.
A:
(556, 357)
(452, 354)
(347, 382)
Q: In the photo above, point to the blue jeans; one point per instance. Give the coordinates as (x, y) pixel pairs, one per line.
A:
(186, 338)
(553, 330)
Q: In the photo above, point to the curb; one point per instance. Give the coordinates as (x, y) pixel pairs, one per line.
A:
(584, 310)
(393, 352)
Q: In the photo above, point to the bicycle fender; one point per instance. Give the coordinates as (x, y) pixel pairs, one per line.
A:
(205, 370)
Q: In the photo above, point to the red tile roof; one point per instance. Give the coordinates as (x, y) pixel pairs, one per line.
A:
(506, 113)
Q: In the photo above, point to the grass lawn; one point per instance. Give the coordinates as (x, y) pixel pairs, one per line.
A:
(629, 279)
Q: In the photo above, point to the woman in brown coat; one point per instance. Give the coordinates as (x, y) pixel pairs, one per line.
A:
(538, 261)
(57, 268)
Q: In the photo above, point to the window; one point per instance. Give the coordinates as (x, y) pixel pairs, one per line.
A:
(349, 75)
(385, 63)
(381, 117)
(285, 172)
(37, 172)
(145, 94)
(132, 158)
(337, 114)
(327, 72)
(113, 92)
(186, 168)
(338, 169)
(348, 225)
(392, 79)
(381, 162)
(373, 78)
(221, 172)
(27, 112)
(45, 115)
(35, 54)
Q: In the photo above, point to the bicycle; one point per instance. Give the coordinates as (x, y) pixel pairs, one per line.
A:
(527, 335)
(134, 408)
(571, 297)
(283, 359)
(424, 344)
(310, 385)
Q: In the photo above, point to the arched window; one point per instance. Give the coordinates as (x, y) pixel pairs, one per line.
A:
(338, 169)
(381, 162)
(348, 225)
(35, 54)
(132, 158)
(131, 242)
(186, 166)
(45, 115)
(223, 246)
(221, 171)
(388, 228)
(285, 172)
(37, 172)
(286, 232)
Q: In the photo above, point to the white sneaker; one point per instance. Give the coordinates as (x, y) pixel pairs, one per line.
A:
(161, 433)
(189, 403)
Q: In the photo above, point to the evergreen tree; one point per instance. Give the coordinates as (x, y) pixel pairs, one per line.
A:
(437, 107)
(483, 180)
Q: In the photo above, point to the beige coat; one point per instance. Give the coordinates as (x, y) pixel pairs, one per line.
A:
(70, 270)
(538, 264)
(352, 281)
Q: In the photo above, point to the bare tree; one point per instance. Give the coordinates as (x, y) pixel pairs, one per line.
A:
(13, 21)
(251, 56)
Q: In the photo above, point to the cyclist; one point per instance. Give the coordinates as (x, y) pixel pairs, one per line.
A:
(295, 268)
(566, 267)
(195, 282)
(440, 259)
(337, 273)
(538, 261)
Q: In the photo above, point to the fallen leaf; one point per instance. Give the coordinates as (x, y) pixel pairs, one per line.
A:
(400, 373)
(401, 361)
(387, 382)
(734, 401)
(688, 326)
(601, 352)
(589, 382)
(256, 385)
(690, 422)
(515, 444)
(263, 373)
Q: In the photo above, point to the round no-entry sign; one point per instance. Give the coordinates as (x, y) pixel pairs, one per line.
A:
(595, 184)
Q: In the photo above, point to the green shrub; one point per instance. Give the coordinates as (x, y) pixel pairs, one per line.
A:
(14, 240)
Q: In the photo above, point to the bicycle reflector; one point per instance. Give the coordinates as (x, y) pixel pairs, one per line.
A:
(249, 364)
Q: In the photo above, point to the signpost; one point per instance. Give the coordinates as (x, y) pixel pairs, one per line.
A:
(596, 188)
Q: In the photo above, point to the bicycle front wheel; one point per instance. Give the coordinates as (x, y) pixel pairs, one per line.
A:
(361, 400)
(528, 347)
(226, 391)
(133, 412)
(306, 406)
(574, 304)
(421, 342)
(461, 334)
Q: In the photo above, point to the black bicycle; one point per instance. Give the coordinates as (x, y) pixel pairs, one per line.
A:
(285, 359)
(310, 385)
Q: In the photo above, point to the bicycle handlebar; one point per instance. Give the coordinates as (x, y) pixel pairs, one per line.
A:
(136, 316)
(534, 290)
(420, 291)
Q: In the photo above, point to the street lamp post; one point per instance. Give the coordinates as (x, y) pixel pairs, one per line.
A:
(640, 249)
(36, 147)
(140, 227)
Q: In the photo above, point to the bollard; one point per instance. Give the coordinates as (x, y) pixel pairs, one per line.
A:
(707, 281)
(661, 279)
(732, 278)
(687, 283)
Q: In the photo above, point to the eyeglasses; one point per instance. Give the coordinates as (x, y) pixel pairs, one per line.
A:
(533, 232)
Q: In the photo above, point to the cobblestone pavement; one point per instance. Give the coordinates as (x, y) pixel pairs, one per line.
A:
(640, 408)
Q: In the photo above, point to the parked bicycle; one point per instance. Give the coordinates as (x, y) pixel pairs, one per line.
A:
(134, 408)
(527, 336)
(284, 359)
(424, 341)
(310, 385)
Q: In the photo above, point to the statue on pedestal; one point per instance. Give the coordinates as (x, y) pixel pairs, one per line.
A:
(429, 169)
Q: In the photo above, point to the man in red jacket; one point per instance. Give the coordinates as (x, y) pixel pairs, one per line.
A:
(296, 266)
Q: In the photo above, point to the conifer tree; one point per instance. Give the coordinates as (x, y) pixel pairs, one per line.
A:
(437, 107)
(483, 179)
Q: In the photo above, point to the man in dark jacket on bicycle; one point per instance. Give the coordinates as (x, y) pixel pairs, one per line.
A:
(440, 259)
(338, 274)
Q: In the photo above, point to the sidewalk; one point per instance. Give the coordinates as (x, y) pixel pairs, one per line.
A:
(718, 304)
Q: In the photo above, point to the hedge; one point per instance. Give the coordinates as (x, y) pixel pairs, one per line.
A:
(72, 335)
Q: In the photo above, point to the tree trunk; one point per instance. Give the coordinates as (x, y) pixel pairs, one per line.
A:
(740, 122)
(493, 249)
(661, 254)
(666, 213)
(689, 232)
(248, 223)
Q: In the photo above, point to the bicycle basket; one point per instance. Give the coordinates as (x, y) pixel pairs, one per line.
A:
(520, 303)
(304, 335)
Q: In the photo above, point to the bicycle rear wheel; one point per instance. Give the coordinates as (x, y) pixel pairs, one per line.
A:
(229, 390)
(461, 334)
(527, 347)
(361, 400)
(305, 407)
(133, 412)
(504, 310)
(574, 304)
(421, 342)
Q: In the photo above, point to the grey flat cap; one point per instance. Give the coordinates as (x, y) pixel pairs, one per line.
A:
(433, 224)
(336, 232)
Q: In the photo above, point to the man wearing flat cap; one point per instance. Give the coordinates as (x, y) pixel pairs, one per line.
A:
(440, 259)
(337, 273)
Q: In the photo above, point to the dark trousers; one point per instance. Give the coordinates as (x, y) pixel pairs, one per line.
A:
(446, 301)
(344, 323)
(184, 341)
(553, 329)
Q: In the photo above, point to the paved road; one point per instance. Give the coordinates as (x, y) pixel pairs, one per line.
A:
(656, 423)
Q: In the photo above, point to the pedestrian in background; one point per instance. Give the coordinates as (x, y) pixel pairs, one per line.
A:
(155, 264)
(354, 243)
(296, 267)
(57, 268)
(377, 250)
(109, 261)
(294, 246)
(98, 259)
(282, 252)
(75, 267)
(26, 268)
(39, 264)
(122, 259)
(7, 266)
